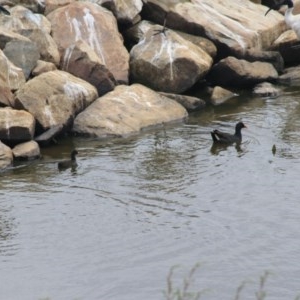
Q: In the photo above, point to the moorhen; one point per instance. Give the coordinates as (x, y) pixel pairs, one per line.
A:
(65, 164)
(227, 138)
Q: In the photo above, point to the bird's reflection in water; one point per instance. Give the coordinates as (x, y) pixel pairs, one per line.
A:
(217, 148)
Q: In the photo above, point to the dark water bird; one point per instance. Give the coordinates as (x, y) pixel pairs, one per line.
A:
(274, 149)
(227, 138)
(293, 21)
(71, 163)
(4, 10)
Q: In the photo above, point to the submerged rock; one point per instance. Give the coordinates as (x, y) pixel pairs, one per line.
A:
(26, 151)
(6, 156)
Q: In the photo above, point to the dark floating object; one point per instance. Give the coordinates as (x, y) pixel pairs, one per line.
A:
(274, 149)
(227, 138)
(65, 164)
(4, 10)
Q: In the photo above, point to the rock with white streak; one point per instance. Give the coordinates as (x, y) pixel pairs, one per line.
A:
(137, 32)
(55, 98)
(167, 62)
(234, 26)
(97, 27)
(82, 61)
(16, 125)
(6, 156)
(126, 111)
(26, 151)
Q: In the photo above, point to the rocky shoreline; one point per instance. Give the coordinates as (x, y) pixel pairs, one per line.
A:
(106, 68)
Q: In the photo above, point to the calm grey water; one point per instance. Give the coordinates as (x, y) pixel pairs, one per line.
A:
(136, 207)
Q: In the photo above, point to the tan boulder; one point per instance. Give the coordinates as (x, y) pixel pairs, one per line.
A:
(33, 5)
(220, 95)
(290, 76)
(16, 125)
(43, 67)
(231, 71)
(22, 18)
(266, 89)
(233, 26)
(82, 61)
(127, 110)
(167, 62)
(55, 98)
(98, 28)
(6, 156)
(26, 151)
(51, 5)
(125, 11)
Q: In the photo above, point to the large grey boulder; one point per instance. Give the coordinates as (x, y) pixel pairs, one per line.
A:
(127, 110)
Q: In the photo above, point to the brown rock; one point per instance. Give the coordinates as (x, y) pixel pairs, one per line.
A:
(241, 73)
(98, 28)
(81, 61)
(221, 95)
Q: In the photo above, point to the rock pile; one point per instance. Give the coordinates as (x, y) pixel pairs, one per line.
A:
(107, 68)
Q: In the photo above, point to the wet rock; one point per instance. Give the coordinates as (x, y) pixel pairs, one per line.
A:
(233, 26)
(16, 51)
(220, 95)
(272, 57)
(12, 77)
(42, 67)
(81, 61)
(26, 151)
(127, 110)
(288, 46)
(48, 137)
(188, 102)
(55, 98)
(97, 27)
(167, 62)
(266, 89)
(6, 156)
(241, 73)
(290, 76)
(16, 125)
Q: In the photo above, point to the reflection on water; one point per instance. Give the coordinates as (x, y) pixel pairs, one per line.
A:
(133, 208)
